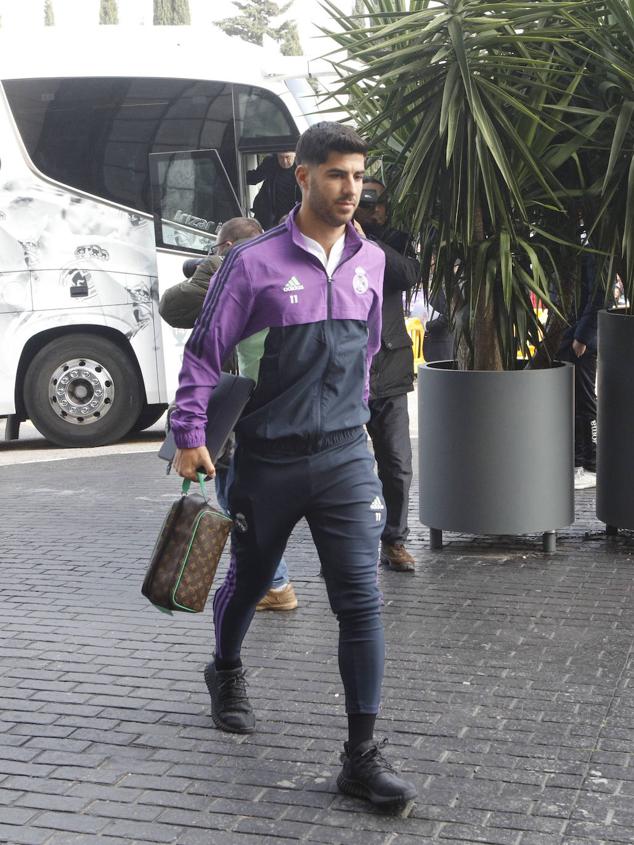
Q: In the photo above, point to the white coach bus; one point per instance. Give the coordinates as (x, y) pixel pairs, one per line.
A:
(118, 160)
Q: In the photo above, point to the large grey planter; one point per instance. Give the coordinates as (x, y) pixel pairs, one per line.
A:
(615, 415)
(496, 451)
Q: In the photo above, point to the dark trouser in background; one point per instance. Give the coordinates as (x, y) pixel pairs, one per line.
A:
(337, 492)
(438, 342)
(585, 407)
(389, 430)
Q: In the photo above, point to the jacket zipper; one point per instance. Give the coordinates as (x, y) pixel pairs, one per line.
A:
(329, 339)
(330, 342)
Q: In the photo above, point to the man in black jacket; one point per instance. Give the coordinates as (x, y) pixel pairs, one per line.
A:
(391, 375)
(579, 347)
(279, 191)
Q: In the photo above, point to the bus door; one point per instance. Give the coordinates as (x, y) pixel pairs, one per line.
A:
(192, 197)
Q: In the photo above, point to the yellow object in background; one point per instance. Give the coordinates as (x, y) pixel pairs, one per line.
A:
(416, 331)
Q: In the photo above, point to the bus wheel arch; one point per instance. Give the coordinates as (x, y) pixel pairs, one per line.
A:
(80, 387)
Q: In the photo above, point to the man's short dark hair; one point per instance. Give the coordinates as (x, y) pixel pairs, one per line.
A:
(239, 228)
(321, 139)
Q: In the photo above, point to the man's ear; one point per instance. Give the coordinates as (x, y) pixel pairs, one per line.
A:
(301, 175)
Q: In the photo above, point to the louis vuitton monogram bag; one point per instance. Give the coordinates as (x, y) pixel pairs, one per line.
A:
(186, 553)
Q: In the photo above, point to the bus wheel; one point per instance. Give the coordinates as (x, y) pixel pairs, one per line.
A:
(149, 415)
(82, 390)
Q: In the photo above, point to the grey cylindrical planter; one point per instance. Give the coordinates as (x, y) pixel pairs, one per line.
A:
(496, 450)
(615, 414)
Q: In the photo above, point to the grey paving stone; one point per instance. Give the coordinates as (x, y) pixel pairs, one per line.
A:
(490, 836)
(205, 819)
(16, 815)
(346, 836)
(24, 835)
(100, 792)
(73, 774)
(87, 839)
(407, 839)
(143, 831)
(219, 837)
(30, 784)
(18, 767)
(125, 810)
(53, 801)
(533, 838)
(71, 822)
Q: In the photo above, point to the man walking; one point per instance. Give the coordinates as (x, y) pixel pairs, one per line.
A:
(392, 376)
(302, 303)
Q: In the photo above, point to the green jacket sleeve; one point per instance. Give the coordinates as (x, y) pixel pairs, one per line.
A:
(181, 304)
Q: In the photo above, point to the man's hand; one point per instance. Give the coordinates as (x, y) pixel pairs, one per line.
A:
(188, 461)
(578, 348)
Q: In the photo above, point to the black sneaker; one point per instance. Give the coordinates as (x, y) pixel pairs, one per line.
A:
(367, 774)
(230, 706)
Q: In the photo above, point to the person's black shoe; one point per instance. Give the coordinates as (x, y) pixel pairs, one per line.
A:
(367, 774)
(230, 706)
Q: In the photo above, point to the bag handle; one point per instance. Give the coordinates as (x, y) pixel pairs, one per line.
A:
(201, 481)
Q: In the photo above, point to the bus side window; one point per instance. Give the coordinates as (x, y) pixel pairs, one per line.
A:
(95, 134)
(192, 198)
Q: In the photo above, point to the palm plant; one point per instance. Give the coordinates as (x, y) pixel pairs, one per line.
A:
(608, 160)
(485, 115)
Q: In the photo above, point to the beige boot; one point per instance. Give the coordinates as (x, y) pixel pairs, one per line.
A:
(397, 558)
(282, 599)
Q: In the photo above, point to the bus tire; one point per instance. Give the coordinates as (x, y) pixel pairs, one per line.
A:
(83, 390)
(148, 416)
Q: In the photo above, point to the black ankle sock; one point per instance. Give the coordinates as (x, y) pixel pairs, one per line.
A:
(360, 728)
(225, 665)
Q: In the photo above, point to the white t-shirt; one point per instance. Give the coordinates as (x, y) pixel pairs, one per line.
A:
(330, 262)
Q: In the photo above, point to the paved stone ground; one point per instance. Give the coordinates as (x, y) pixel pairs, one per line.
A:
(508, 696)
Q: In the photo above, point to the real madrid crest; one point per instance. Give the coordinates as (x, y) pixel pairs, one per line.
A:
(360, 281)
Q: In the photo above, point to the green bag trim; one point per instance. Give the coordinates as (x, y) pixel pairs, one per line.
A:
(201, 481)
(184, 564)
(185, 490)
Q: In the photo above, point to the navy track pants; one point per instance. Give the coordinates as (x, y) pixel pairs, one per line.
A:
(338, 493)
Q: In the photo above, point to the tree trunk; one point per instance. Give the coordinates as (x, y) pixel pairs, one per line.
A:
(108, 12)
(569, 264)
(171, 12)
(49, 15)
(487, 354)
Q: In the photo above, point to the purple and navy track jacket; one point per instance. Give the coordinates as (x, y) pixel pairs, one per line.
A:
(306, 339)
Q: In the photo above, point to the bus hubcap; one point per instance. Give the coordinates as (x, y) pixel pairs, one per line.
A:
(81, 391)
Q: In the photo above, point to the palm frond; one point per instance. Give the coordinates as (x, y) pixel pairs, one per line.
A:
(500, 123)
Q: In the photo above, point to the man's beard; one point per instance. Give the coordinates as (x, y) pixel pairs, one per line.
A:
(322, 209)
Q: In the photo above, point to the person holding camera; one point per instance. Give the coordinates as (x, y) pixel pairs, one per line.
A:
(391, 375)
